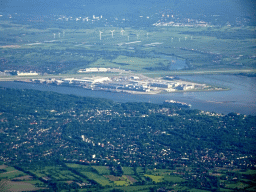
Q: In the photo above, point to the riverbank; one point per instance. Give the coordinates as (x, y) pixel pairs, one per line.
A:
(240, 98)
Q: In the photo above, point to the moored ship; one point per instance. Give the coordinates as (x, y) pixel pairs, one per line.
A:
(178, 103)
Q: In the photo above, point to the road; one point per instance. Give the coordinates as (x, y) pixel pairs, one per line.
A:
(158, 73)
(206, 72)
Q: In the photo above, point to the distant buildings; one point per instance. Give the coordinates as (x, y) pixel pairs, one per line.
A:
(27, 73)
(122, 83)
(93, 70)
(182, 24)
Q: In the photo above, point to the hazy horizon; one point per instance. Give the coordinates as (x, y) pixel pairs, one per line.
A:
(114, 7)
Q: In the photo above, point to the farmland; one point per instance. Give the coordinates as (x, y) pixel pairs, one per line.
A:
(202, 49)
(92, 178)
(12, 179)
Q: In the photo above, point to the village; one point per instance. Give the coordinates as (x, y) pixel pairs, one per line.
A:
(137, 141)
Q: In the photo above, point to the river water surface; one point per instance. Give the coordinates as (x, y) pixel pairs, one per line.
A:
(241, 98)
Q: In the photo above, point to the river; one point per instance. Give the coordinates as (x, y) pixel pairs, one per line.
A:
(241, 98)
(175, 63)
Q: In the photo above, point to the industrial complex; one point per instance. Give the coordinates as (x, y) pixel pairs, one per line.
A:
(128, 82)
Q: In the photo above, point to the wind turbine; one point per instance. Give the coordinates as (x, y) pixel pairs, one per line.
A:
(137, 36)
(54, 35)
(59, 35)
(172, 39)
(122, 31)
(100, 34)
(185, 38)
(112, 33)
(147, 35)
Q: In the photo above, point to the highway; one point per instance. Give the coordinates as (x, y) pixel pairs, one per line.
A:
(158, 73)
(206, 72)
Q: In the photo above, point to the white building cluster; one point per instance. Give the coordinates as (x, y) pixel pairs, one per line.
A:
(130, 84)
(31, 73)
(189, 24)
(93, 70)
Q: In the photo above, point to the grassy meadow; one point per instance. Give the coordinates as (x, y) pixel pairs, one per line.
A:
(95, 177)
(203, 48)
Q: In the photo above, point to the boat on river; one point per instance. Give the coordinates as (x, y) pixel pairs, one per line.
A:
(178, 103)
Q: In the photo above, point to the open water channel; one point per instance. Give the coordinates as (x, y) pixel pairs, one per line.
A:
(241, 97)
(176, 64)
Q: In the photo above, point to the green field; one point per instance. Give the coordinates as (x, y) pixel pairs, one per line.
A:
(98, 178)
(238, 185)
(121, 183)
(58, 174)
(143, 188)
(198, 190)
(154, 178)
(6, 185)
(173, 179)
(249, 172)
(128, 171)
(101, 175)
(205, 48)
(78, 166)
(102, 170)
(11, 173)
(14, 180)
